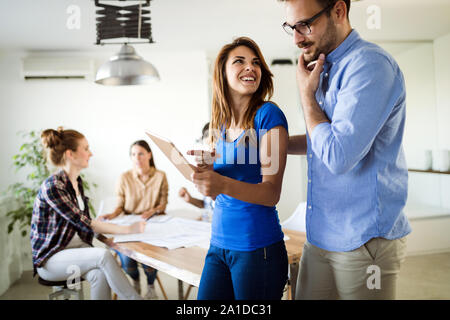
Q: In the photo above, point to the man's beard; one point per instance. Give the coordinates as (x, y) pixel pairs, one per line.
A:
(326, 44)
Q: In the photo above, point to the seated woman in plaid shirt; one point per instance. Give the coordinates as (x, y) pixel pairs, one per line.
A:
(62, 230)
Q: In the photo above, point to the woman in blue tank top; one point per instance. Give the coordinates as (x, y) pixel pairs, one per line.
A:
(247, 257)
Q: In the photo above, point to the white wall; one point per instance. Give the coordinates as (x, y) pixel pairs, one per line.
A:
(417, 65)
(15, 250)
(441, 54)
(424, 128)
(442, 63)
(426, 69)
(421, 129)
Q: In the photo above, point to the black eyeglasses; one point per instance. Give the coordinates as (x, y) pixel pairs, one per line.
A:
(304, 27)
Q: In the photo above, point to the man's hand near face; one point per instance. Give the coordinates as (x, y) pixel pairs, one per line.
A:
(308, 83)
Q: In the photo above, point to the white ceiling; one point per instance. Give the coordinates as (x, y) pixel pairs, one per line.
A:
(208, 24)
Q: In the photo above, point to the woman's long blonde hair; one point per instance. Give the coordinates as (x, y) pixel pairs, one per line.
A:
(221, 113)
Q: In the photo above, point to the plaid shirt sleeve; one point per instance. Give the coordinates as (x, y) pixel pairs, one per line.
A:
(59, 199)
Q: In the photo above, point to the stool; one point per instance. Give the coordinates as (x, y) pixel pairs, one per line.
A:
(60, 289)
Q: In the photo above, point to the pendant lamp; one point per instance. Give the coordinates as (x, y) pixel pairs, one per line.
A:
(126, 68)
(118, 22)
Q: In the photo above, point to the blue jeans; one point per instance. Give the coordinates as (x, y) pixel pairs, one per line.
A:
(244, 275)
(130, 266)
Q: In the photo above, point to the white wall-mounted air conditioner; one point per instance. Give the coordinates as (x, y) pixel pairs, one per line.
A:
(57, 68)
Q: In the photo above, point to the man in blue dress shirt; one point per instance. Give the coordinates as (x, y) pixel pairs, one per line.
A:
(354, 107)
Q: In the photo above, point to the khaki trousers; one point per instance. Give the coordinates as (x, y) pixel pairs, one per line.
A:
(368, 272)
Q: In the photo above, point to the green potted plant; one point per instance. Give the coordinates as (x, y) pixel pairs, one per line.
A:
(31, 159)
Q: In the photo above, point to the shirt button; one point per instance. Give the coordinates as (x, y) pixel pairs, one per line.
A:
(309, 207)
(309, 180)
(320, 102)
(310, 155)
(326, 75)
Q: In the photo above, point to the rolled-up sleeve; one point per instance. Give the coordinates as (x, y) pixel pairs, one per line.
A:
(367, 97)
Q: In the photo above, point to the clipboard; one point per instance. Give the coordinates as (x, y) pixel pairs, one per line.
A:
(173, 154)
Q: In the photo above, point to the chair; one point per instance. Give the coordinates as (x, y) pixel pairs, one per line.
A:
(297, 222)
(60, 288)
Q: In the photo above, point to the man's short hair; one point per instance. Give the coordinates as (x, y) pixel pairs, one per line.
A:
(326, 3)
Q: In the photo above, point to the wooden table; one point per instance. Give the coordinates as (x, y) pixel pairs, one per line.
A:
(186, 264)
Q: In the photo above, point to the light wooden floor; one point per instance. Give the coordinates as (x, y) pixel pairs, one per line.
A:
(421, 277)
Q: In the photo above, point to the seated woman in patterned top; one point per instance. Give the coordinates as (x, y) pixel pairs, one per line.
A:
(62, 229)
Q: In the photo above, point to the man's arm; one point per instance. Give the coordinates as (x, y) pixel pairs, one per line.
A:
(370, 90)
(186, 196)
(197, 202)
(308, 82)
(312, 113)
(297, 145)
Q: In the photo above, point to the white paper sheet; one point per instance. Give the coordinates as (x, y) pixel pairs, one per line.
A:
(167, 231)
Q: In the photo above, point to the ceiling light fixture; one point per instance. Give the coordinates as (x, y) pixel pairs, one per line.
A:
(126, 67)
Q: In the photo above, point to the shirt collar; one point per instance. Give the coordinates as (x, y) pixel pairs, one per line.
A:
(65, 178)
(340, 51)
(150, 173)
